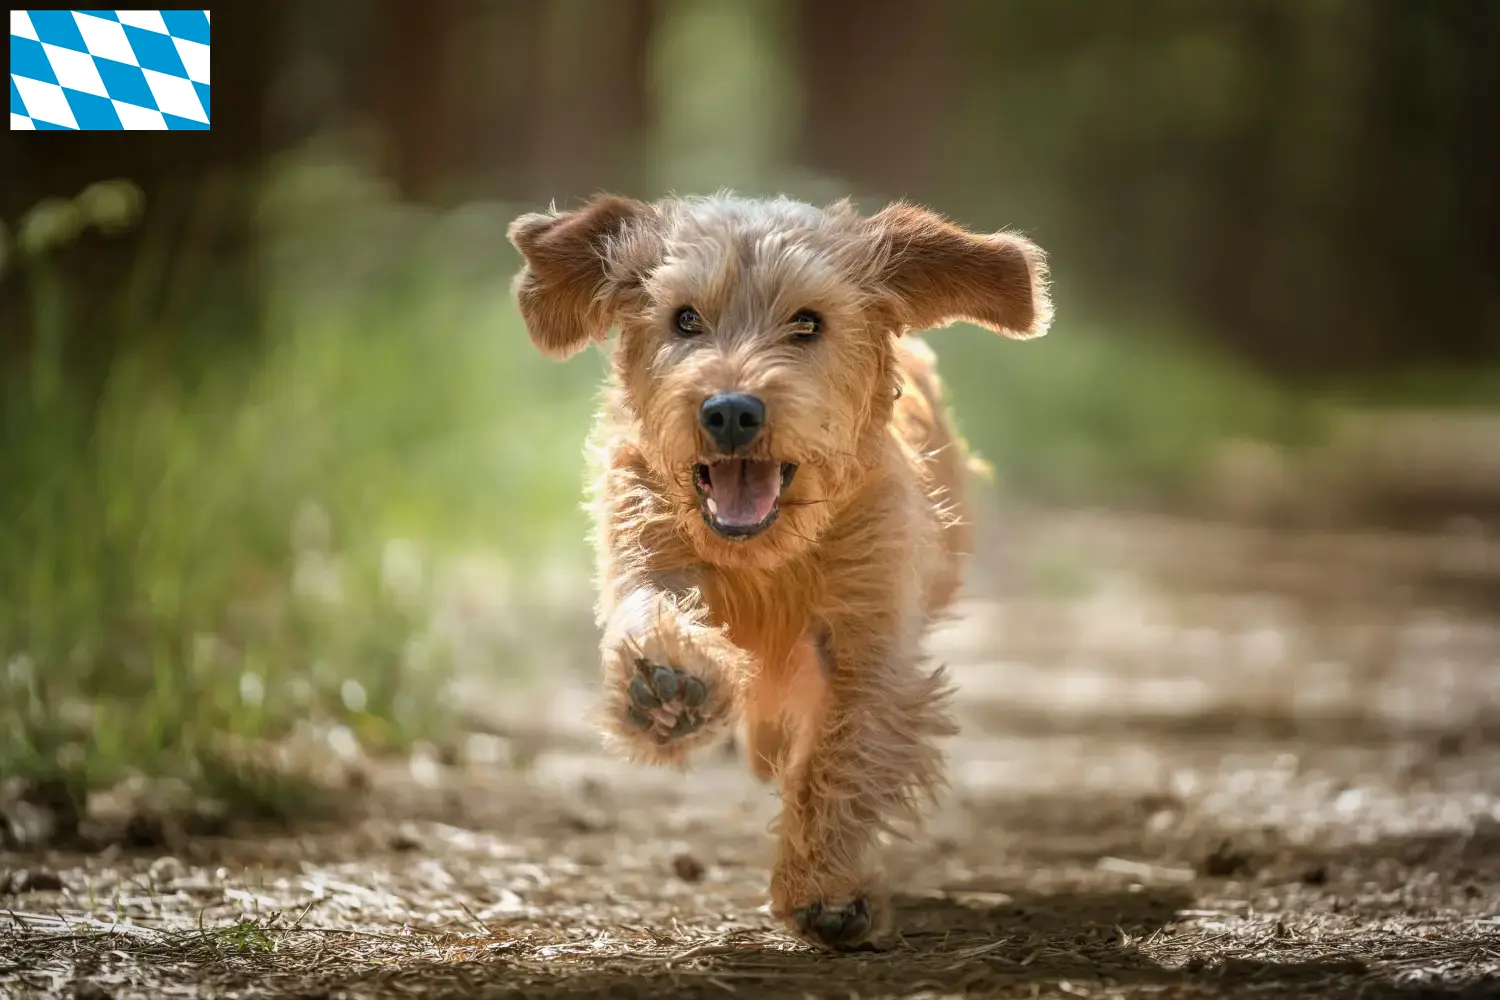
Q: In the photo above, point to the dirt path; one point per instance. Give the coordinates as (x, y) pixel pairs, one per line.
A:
(1284, 785)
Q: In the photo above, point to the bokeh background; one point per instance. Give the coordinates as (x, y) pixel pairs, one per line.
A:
(279, 469)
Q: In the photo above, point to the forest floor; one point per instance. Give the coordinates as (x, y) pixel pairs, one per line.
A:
(1196, 761)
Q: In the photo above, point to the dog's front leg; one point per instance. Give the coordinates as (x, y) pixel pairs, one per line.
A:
(672, 680)
(864, 758)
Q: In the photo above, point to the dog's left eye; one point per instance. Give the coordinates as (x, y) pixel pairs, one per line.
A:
(806, 325)
(687, 322)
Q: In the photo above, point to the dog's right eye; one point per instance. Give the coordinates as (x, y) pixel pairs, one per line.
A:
(687, 322)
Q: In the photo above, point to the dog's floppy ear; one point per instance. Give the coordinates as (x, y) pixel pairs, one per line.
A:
(570, 286)
(937, 274)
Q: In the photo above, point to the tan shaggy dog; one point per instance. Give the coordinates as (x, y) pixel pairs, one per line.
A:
(778, 496)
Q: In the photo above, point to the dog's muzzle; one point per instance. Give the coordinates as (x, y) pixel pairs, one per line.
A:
(741, 496)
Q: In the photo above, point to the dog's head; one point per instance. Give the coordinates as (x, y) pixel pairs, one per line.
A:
(756, 356)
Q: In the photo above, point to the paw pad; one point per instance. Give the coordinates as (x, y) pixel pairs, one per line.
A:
(665, 701)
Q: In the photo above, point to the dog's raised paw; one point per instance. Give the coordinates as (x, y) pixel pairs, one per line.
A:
(843, 926)
(666, 702)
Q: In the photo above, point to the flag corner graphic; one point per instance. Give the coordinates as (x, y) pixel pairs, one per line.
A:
(110, 70)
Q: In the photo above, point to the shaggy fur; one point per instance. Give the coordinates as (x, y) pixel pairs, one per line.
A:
(809, 633)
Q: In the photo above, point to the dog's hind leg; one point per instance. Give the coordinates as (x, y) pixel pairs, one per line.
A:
(863, 758)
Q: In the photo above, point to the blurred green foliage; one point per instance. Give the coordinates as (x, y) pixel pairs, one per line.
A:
(243, 534)
(235, 545)
(1088, 415)
(210, 556)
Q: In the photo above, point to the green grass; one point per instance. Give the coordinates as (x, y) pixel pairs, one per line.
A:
(210, 555)
(1089, 415)
(1429, 387)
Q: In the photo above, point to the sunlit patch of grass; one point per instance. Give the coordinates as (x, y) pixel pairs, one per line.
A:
(1446, 387)
(204, 558)
(246, 936)
(1095, 415)
(1091, 416)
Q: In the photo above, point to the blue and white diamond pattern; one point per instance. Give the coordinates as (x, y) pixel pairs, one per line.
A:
(95, 70)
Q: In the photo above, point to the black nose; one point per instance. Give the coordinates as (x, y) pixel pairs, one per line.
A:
(732, 419)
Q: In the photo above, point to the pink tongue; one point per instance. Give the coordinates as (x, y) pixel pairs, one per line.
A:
(744, 491)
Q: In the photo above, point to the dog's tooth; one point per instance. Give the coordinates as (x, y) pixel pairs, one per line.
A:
(713, 507)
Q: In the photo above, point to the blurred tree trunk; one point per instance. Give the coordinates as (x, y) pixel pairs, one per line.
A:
(1465, 254)
(1480, 150)
(590, 98)
(441, 81)
(523, 99)
(1419, 236)
(1233, 253)
(878, 80)
(408, 77)
(1315, 187)
(493, 89)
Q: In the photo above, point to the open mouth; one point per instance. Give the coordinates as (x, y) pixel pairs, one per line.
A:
(741, 496)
